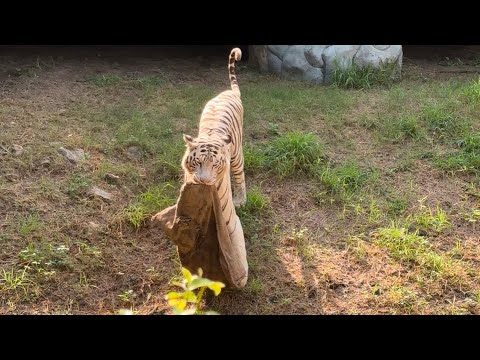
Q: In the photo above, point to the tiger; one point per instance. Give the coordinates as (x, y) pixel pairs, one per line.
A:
(215, 156)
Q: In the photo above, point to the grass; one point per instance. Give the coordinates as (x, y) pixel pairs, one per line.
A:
(356, 77)
(29, 224)
(155, 199)
(293, 152)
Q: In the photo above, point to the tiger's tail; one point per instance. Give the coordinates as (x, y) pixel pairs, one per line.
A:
(235, 55)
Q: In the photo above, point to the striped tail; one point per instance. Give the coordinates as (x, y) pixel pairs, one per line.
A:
(235, 55)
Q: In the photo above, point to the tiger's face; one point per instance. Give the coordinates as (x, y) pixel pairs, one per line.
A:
(206, 162)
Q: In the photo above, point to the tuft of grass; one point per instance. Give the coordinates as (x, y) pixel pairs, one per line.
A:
(253, 158)
(292, 152)
(397, 206)
(472, 91)
(403, 127)
(29, 224)
(14, 280)
(441, 120)
(436, 220)
(44, 256)
(466, 159)
(77, 185)
(254, 210)
(408, 247)
(155, 199)
(344, 179)
(105, 80)
(366, 77)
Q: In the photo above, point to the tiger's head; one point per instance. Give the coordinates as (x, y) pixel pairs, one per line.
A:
(206, 161)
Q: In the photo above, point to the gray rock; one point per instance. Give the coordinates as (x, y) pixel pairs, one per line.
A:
(338, 55)
(278, 50)
(376, 54)
(313, 54)
(314, 75)
(17, 150)
(112, 178)
(294, 64)
(260, 53)
(134, 152)
(73, 156)
(274, 63)
(95, 191)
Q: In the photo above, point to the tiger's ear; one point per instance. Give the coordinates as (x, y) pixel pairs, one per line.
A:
(227, 139)
(188, 140)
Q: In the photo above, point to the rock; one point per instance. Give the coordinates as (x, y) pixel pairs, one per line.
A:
(112, 178)
(316, 63)
(338, 55)
(95, 191)
(17, 150)
(376, 54)
(278, 50)
(73, 156)
(274, 63)
(45, 162)
(314, 75)
(294, 63)
(260, 54)
(313, 54)
(134, 152)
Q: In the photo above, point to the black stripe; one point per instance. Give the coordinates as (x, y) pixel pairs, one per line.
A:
(226, 188)
(231, 212)
(233, 228)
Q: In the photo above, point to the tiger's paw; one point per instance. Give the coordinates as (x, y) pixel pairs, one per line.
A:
(240, 200)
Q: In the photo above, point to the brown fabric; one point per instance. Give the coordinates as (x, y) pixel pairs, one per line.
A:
(196, 225)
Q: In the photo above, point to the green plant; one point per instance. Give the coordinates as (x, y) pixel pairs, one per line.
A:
(179, 301)
(13, 280)
(365, 77)
(472, 91)
(29, 224)
(431, 219)
(292, 152)
(77, 185)
(156, 198)
(253, 158)
(105, 80)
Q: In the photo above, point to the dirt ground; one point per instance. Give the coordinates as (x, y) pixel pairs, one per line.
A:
(106, 258)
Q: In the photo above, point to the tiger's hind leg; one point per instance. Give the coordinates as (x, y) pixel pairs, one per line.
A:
(239, 188)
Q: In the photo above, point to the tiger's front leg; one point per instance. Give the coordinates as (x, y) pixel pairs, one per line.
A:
(239, 188)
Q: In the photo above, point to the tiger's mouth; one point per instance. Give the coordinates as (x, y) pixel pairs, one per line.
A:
(204, 180)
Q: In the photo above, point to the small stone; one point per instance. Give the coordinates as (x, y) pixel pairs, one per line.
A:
(17, 150)
(73, 156)
(45, 162)
(112, 178)
(95, 191)
(134, 152)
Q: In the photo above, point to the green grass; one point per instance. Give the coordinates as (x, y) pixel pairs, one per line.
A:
(29, 224)
(441, 119)
(472, 91)
(293, 152)
(14, 280)
(410, 248)
(77, 185)
(254, 211)
(344, 179)
(465, 159)
(254, 158)
(429, 219)
(155, 199)
(356, 77)
(405, 127)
